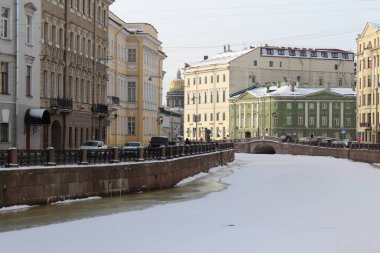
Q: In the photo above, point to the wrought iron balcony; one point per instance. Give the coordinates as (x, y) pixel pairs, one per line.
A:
(366, 125)
(99, 108)
(62, 104)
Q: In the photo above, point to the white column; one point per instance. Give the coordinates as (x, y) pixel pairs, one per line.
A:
(318, 114)
(341, 115)
(257, 118)
(306, 114)
(330, 115)
(239, 122)
(251, 116)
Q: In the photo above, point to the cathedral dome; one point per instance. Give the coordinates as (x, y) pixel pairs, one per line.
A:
(178, 83)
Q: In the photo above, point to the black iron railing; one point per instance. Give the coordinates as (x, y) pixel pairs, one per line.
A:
(3, 158)
(99, 108)
(152, 153)
(32, 157)
(68, 157)
(63, 104)
(128, 155)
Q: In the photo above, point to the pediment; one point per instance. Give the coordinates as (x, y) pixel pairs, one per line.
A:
(30, 6)
(369, 29)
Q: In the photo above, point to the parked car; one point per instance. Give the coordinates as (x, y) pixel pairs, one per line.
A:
(337, 142)
(132, 145)
(158, 141)
(93, 144)
(286, 138)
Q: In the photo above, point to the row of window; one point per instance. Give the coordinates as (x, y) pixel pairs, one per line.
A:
(206, 78)
(303, 53)
(199, 117)
(312, 121)
(124, 54)
(79, 89)
(376, 43)
(368, 99)
(367, 63)
(205, 98)
(220, 131)
(368, 117)
(290, 105)
(85, 7)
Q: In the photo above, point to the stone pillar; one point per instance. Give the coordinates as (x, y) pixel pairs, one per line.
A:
(182, 150)
(84, 159)
(163, 157)
(141, 154)
(12, 158)
(51, 156)
(170, 152)
(115, 155)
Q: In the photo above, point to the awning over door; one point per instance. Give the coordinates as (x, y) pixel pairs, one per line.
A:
(37, 117)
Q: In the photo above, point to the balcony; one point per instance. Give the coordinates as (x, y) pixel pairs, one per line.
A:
(99, 108)
(113, 102)
(366, 126)
(61, 104)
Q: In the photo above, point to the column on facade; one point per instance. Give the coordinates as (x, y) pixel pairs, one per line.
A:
(239, 118)
(341, 114)
(252, 120)
(306, 114)
(257, 118)
(330, 115)
(318, 114)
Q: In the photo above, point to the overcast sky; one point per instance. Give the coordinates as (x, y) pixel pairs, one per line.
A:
(191, 29)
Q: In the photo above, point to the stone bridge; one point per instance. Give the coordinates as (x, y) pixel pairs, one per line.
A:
(261, 145)
(273, 145)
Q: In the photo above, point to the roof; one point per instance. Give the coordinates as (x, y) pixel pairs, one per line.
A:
(285, 91)
(374, 25)
(222, 58)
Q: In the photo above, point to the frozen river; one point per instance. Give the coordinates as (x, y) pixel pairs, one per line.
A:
(263, 203)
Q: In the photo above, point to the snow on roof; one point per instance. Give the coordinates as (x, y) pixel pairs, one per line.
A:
(286, 90)
(221, 58)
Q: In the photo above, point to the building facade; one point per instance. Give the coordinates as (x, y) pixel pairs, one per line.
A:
(367, 83)
(73, 70)
(135, 79)
(21, 120)
(171, 122)
(293, 111)
(209, 83)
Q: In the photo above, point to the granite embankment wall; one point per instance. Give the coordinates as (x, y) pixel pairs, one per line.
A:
(358, 155)
(44, 185)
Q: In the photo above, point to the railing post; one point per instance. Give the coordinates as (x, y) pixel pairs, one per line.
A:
(51, 156)
(141, 154)
(170, 153)
(115, 155)
(84, 154)
(182, 150)
(163, 157)
(12, 157)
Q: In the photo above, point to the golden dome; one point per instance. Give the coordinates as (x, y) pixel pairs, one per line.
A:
(178, 83)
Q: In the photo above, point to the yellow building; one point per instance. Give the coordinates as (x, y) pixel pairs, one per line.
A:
(135, 81)
(368, 81)
(209, 83)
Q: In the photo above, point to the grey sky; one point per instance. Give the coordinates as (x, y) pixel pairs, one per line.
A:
(191, 29)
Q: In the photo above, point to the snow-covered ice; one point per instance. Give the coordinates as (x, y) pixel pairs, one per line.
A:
(277, 203)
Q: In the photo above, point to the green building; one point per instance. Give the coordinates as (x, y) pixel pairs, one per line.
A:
(294, 111)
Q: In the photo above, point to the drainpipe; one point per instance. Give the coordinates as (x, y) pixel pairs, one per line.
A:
(16, 127)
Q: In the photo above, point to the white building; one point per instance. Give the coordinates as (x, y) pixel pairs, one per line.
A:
(209, 83)
(20, 116)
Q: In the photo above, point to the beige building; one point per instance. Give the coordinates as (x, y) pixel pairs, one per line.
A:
(209, 83)
(368, 81)
(73, 70)
(135, 81)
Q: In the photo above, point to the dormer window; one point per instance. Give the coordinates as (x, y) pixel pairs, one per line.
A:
(292, 53)
(281, 52)
(344, 55)
(334, 55)
(314, 54)
(324, 54)
(269, 51)
(303, 53)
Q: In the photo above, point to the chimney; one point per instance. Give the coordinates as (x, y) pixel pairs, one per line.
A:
(205, 57)
(229, 48)
(292, 86)
(225, 48)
